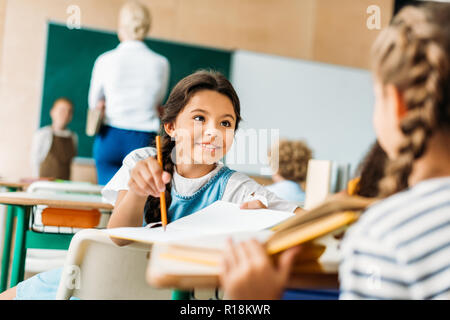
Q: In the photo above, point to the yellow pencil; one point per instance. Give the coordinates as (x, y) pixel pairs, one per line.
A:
(162, 195)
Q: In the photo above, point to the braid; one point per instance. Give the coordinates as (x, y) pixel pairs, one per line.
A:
(410, 54)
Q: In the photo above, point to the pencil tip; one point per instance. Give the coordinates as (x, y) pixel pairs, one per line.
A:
(164, 228)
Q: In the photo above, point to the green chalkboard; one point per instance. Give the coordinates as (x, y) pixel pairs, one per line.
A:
(71, 54)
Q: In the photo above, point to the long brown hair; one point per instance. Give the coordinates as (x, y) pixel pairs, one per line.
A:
(413, 54)
(178, 98)
(370, 172)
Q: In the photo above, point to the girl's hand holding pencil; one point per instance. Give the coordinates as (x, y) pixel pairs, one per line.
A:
(147, 178)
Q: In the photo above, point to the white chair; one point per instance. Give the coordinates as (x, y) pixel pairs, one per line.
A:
(96, 268)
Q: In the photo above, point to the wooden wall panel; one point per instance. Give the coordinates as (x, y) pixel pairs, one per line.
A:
(164, 17)
(264, 26)
(2, 24)
(341, 33)
(323, 30)
(288, 27)
(282, 27)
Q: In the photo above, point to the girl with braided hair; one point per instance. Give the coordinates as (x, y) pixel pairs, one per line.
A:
(199, 121)
(400, 247)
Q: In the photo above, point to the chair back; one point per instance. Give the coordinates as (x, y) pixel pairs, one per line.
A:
(96, 268)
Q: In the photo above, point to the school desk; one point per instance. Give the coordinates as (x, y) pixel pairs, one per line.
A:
(36, 184)
(14, 185)
(25, 239)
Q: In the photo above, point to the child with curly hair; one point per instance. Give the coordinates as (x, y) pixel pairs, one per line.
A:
(289, 162)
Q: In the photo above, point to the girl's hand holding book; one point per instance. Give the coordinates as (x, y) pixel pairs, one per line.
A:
(247, 272)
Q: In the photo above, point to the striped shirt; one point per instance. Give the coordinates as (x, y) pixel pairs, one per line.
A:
(400, 247)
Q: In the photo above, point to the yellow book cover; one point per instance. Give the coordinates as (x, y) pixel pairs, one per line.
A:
(196, 261)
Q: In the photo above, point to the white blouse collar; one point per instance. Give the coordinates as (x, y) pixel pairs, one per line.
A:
(188, 186)
(131, 44)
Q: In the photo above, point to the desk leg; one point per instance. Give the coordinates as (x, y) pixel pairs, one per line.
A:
(7, 247)
(19, 246)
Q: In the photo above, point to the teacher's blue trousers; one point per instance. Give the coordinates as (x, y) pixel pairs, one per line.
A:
(112, 145)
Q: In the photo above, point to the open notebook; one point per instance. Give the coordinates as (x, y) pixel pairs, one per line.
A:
(195, 262)
(221, 217)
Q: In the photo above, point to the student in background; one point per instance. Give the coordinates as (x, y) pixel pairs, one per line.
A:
(55, 146)
(128, 85)
(400, 247)
(289, 162)
(369, 173)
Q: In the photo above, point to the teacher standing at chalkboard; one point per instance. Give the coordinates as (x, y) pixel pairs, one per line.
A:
(128, 84)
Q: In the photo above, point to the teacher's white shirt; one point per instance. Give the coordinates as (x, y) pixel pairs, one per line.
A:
(133, 80)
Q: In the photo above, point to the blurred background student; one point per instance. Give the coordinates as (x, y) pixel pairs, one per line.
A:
(369, 173)
(289, 162)
(128, 84)
(55, 146)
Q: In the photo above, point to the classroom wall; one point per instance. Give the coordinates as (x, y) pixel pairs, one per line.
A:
(2, 24)
(341, 35)
(321, 30)
(306, 29)
(21, 71)
(328, 106)
(262, 26)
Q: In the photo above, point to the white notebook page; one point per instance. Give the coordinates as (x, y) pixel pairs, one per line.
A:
(218, 218)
